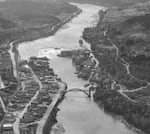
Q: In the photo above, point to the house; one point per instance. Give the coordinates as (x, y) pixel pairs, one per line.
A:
(7, 126)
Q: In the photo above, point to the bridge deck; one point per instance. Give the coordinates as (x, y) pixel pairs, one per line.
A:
(87, 92)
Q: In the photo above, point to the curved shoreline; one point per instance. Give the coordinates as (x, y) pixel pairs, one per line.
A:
(51, 116)
(16, 43)
(53, 30)
(51, 120)
(17, 58)
(116, 116)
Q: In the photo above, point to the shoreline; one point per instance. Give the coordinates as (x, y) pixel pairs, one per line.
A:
(18, 42)
(101, 105)
(52, 33)
(17, 59)
(116, 116)
(51, 120)
(121, 119)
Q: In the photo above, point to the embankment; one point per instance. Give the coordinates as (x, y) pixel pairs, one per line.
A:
(51, 120)
(135, 113)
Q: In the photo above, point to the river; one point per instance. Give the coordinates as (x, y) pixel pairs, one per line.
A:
(78, 114)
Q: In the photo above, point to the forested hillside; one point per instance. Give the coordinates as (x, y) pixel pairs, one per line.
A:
(26, 17)
(109, 2)
(120, 42)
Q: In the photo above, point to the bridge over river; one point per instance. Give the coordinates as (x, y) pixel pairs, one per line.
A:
(87, 92)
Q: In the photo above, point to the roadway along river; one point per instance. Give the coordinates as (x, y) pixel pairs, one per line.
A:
(78, 114)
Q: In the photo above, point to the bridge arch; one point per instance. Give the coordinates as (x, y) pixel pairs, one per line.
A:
(87, 92)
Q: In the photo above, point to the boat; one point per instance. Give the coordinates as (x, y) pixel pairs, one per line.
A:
(66, 53)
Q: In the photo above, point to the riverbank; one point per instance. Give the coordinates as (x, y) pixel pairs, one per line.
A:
(18, 58)
(15, 44)
(36, 99)
(113, 97)
(101, 81)
(51, 119)
(48, 32)
(51, 32)
(84, 63)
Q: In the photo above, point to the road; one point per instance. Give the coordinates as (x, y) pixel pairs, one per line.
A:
(49, 110)
(3, 105)
(1, 83)
(64, 21)
(127, 66)
(12, 56)
(117, 50)
(137, 89)
(20, 114)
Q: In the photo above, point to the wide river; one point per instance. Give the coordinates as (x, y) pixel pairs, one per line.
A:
(78, 114)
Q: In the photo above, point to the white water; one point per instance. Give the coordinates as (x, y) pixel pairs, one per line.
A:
(78, 114)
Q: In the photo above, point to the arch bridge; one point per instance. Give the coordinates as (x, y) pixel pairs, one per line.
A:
(87, 92)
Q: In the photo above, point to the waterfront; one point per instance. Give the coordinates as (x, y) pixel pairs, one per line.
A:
(78, 114)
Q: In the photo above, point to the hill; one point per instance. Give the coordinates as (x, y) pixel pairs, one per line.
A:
(27, 16)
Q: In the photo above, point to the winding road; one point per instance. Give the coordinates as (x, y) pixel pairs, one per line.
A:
(123, 90)
(78, 113)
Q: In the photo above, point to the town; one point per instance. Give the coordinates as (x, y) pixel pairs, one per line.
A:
(36, 97)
